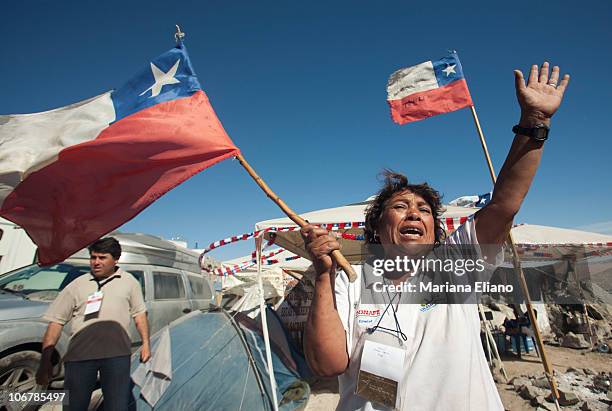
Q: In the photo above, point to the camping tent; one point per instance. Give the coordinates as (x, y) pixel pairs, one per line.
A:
(218, 363)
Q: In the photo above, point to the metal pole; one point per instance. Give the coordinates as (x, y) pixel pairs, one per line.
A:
(490, 359)
(264, 324)
(490, 338)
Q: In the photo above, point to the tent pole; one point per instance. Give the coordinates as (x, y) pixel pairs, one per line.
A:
(490, 359)
(521, 276)
(264, 323)
(572, 266)
(336, 254)
(489, 336)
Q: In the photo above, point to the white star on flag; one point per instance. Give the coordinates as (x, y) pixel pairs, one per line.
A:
(450, 69)
(162, 79)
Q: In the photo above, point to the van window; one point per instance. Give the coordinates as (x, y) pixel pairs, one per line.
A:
(167, 286)
(139, 276)
(199, 287)
(41, 283)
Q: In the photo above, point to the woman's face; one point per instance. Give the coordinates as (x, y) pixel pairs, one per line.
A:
(407, 221)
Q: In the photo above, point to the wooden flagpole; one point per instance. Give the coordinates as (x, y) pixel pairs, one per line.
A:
(521, 276)
(337, 255)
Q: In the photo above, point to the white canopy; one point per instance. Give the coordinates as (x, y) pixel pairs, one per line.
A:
(281, 259)
(543, 242)
(541, 234)
(535, 242)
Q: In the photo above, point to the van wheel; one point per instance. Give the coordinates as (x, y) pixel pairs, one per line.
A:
(18, 371)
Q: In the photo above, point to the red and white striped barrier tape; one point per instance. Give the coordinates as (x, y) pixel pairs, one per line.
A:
(246, 236)
(233, 269)
(449, 223)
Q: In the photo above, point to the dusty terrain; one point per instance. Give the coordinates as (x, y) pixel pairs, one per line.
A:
(325, 392)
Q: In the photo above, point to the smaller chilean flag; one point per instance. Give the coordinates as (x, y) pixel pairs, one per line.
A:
(75, 173)
(427, 89)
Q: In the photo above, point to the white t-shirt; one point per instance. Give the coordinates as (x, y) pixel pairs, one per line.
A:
(445, 366)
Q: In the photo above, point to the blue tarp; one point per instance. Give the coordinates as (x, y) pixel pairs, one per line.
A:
(219, 363)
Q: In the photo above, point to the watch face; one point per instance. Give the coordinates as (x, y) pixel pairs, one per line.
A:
(540, 133)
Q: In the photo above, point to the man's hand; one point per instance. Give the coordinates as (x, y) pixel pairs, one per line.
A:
(145, 353)
(320, 243)
(44, 372)
(542, 96)
(45, 368)
(142, 325)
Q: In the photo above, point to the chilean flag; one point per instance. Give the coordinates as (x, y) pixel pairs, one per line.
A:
(427, 89)
(73, 174)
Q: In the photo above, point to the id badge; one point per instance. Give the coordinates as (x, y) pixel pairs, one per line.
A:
(94, 302)
(380, 373)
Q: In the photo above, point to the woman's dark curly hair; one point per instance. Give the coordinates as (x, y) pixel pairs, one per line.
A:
(395, 183)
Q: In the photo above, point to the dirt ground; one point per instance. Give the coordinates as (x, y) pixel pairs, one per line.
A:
(560, 358)
(325, 392)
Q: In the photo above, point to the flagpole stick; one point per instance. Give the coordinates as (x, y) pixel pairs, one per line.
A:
(521, 276)
(336, 254)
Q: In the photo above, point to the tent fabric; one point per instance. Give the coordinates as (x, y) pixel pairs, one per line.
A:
(249, 300)
(539, 234)
(218, 363)
(280, 258)
(537, 242)
(557, 241)
(154, 376)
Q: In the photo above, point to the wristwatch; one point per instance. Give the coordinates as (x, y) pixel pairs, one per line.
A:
(539, 132)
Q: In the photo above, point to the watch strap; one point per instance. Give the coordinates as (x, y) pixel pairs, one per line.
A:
(539, 132)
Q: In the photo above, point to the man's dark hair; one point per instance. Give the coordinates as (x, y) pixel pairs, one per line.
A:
(396, 183)
(106, 245)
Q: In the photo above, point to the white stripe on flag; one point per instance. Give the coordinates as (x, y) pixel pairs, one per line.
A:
(32, 141)
(410, 80)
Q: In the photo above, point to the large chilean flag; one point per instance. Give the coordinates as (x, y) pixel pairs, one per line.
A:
(427, 89)
(73, 174)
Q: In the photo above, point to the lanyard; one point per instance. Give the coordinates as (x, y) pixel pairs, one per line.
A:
(103, 283)
(398, 328)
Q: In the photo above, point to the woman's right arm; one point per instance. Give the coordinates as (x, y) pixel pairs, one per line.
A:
(324, 336)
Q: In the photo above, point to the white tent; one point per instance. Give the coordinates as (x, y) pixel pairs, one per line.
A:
(539, 242)
(540, 234)
(278, 260)
(535, 242)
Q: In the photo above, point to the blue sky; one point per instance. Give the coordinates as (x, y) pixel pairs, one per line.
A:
(300, 88)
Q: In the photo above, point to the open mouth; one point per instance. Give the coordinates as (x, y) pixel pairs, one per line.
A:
(411, 232)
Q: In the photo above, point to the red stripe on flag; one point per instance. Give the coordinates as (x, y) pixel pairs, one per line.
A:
(96, 186)
(419, 106)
